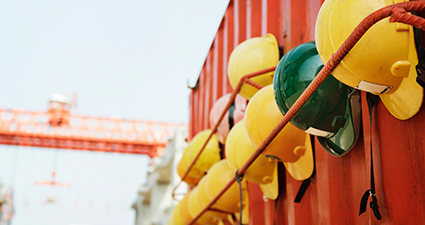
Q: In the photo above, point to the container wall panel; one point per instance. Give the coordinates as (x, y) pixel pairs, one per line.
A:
(218, 61)
(240, 29)
(207, 83)
(228, 43)
(334, 194)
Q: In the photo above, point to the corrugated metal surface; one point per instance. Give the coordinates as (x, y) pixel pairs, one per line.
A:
(334, 196)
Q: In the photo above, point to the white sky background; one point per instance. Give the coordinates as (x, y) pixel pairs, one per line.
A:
(103, 185)
(126, 58)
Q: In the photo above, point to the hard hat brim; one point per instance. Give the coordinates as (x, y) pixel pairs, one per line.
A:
(303, 168)
(271, 190)
(346, 137)
(406, 101)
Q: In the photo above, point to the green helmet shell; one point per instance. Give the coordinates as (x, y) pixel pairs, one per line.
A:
(327, 113)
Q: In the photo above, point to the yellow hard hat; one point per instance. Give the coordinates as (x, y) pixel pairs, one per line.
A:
(194, 174)
(218, 176)
(176, 219)
(251, 56)
(195, 209)
(203, 201)
(188, 180)
(262, 171)
(211, 153)
(292, 145)
(382, 62)
(184, 209)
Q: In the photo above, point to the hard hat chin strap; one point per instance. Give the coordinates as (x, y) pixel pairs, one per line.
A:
(302, 190)
(222, 153)
(372, 100)
(239, 180)
(306, 183)
(231, 116)
(420, 68)
(231, 124)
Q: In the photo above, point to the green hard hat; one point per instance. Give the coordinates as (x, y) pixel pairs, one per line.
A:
(331, 114)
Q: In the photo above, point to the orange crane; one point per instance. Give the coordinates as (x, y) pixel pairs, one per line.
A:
(58, 128)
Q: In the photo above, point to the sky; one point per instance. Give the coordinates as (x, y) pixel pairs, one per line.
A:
(103, 186)
(129, 59)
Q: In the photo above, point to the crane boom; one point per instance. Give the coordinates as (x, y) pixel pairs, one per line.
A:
(78, 132)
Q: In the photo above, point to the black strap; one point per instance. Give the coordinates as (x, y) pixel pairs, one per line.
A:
(306, 183)
(276, 201)
(420, 68)
(302, 190)
(239, 180)
(233, 217)
(281, 52)
(222, 154)
(372, 100)
(231, 116)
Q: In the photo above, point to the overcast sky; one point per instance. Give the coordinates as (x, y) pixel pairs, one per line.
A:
(127, 58)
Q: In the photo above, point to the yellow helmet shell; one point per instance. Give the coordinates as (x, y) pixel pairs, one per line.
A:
(194, 175)
(251, 56)
(195, 209)
(184, 209)
(203, 201)
(176, 219)
(239, 150)
(188, 180)
(261, 117)
(377, 51)
(379, 62)
(211, 153)
(218, 176)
